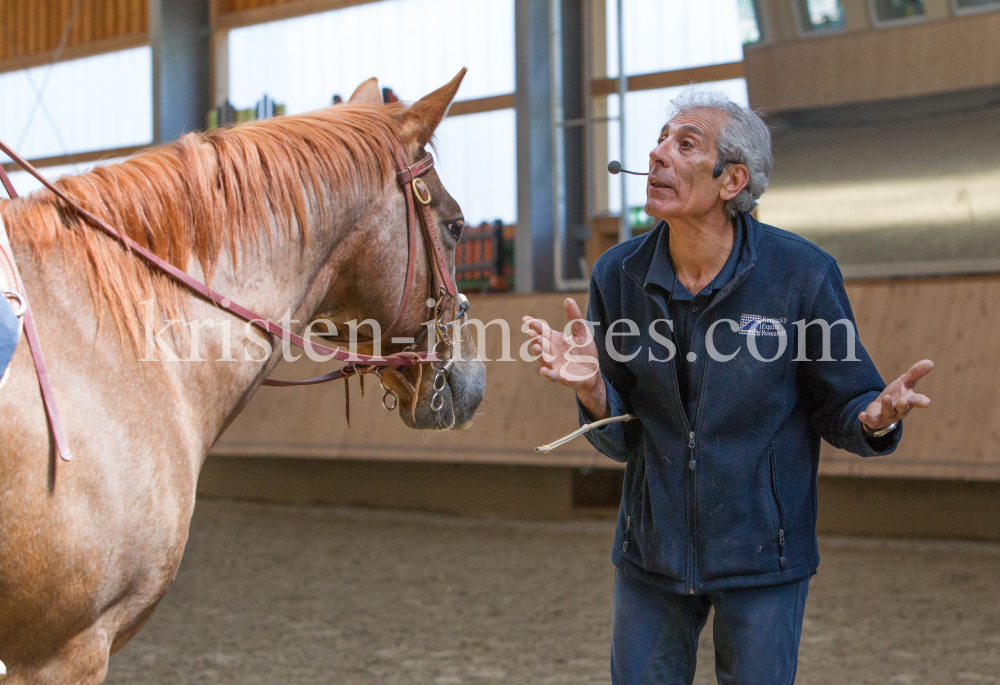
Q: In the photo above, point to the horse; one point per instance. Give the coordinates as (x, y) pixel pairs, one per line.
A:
(298, 216)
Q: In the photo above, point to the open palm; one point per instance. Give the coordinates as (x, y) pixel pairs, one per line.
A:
(898, 398)
(568, 359)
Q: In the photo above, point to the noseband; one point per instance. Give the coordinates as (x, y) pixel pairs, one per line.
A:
(415, 191)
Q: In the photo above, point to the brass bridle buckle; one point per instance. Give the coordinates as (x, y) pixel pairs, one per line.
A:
(421, 191)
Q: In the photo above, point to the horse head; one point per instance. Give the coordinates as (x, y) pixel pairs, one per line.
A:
(424, 317)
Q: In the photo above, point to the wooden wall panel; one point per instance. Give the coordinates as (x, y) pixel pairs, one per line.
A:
(956, 323)
(230, 14)
(879, 64)
(950, 320)
(30, 31)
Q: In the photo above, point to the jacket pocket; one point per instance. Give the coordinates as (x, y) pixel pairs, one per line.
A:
(779, 512)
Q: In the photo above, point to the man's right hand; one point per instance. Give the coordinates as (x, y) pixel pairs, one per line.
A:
(570, 359)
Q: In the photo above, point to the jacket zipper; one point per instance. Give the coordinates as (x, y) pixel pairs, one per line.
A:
(691, 565)
(692, 548)
(693, 495)
(693, 462)
(781, 512)
(641, 476)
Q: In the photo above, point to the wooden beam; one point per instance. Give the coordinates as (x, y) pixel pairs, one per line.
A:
(667, 79)
(239, 13)
(489, 104)
(219, 68)
(79, 158)
(88, 49)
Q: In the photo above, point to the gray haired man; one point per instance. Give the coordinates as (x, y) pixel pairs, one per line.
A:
(733, 343)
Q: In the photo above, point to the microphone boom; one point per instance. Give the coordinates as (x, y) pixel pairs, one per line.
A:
(615, 167)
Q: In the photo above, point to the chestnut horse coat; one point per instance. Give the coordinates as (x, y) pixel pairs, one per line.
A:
(296, 217)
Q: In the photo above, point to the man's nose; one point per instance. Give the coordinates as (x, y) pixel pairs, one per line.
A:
(659, 156)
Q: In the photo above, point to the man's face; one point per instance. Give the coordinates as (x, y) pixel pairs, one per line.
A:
(680, 179)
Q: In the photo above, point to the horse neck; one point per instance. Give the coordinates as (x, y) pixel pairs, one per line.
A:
(286, 281)
(216, 363)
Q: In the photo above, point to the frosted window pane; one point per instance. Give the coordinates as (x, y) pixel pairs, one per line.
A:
(665, 35)
(749, 26)
(412, 46)
(821, 15)
(477, 162)
(94, 103)
(645, 114)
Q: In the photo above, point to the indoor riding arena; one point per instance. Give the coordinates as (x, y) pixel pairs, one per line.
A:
(333, 542)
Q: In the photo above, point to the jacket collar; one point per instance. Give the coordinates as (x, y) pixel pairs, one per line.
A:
(646, 264)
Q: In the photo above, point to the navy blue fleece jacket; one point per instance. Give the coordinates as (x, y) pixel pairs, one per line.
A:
(727, 498)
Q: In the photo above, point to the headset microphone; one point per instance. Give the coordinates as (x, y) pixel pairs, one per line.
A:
(615, 167)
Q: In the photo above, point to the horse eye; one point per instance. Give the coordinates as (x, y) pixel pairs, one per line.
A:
(455, 228)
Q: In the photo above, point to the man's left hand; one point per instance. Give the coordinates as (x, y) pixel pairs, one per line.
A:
(898, 398)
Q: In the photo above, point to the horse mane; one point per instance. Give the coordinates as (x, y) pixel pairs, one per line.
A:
(206, 194)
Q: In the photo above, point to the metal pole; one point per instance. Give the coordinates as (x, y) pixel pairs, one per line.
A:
(588, 108)
(558, 154)
(559, 125)
(624, 227)
(533, 258)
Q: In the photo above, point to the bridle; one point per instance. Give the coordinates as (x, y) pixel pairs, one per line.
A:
(415, 190)
(418, 213)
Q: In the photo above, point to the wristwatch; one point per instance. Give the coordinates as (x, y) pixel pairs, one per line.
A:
(881, 431)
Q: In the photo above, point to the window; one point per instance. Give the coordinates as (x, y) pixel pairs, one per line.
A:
(896, 11)
(659, 37)
(818, 16)
(749, 26)
(668, 35)
(972, 6)
(477, 163)
(305, 61)
(95, 103)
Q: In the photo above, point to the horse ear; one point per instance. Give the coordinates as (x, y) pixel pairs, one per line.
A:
(421, 119)
(367, 93)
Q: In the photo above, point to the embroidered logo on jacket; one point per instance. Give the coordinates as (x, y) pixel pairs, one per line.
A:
(754, 324)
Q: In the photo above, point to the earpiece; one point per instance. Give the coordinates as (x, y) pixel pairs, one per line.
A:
(719, 167)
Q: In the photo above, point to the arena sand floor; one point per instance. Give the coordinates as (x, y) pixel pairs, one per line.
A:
(301, 595)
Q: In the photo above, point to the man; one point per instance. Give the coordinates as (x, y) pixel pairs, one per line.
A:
(733, 343)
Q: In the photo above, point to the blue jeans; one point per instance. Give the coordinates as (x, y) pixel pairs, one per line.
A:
(9, 332)
(756, 630)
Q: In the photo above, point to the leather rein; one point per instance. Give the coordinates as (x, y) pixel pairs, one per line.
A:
(415, 190)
